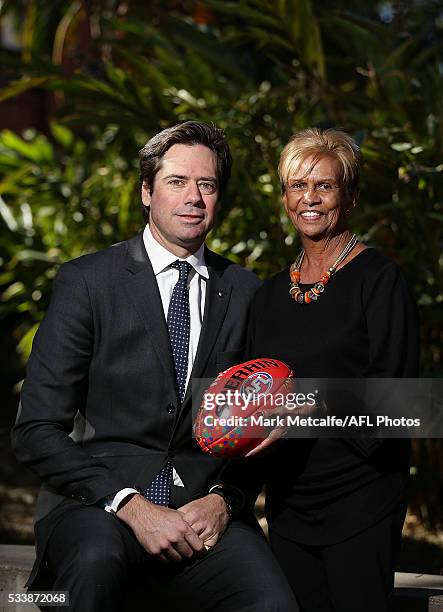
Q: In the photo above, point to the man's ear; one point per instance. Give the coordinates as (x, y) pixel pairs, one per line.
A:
(146, 194)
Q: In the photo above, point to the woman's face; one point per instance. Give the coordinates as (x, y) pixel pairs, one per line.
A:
(315, 199)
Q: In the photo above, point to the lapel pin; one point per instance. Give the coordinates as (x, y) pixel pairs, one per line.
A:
(220, 294)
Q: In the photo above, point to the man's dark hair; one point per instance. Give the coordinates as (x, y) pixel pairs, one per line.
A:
(187, 133)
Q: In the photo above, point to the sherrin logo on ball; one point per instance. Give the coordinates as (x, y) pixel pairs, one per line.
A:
(260, 382)
(237, 409)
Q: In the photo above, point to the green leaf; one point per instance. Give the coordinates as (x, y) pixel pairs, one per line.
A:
(24, 84)
(7, 216)
(39, 150)
(62, 135)
(251, 15)
(30, 255)
(13, 291)
(24, 347)
(401, 146)
(188, 35)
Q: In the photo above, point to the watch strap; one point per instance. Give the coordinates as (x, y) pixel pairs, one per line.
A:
(234, 498)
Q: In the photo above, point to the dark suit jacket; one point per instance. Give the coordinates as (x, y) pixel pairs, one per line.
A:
(99, 406)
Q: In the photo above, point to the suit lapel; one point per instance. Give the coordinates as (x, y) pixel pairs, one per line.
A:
(143, 291)
(218, 295)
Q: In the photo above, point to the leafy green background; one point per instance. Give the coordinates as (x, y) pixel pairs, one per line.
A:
(261, 69)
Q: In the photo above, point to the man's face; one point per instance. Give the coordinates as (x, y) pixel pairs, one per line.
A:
(184, 201)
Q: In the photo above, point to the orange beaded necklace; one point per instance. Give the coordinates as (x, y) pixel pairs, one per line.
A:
(317, 289)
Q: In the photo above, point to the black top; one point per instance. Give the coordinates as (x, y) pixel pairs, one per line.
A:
(322, 491)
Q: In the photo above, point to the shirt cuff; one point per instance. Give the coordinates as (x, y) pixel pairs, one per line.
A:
(111, 505)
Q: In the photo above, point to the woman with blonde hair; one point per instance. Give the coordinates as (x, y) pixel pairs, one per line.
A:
(335, 507)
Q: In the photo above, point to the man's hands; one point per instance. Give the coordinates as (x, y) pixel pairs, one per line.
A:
(164, 533)
(175, 535)
(208, 517)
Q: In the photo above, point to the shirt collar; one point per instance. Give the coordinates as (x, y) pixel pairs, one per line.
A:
(161, 258)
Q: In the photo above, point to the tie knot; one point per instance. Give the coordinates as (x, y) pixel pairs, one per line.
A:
(183, 268)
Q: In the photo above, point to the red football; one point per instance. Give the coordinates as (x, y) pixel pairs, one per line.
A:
(239, 408)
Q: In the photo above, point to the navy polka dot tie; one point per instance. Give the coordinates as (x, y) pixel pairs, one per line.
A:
(179, 324)
(159, 489)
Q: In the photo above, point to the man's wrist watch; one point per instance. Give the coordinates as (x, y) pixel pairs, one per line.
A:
(234, 498)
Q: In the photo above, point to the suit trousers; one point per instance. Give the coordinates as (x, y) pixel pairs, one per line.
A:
(356, 575)
(95, 556)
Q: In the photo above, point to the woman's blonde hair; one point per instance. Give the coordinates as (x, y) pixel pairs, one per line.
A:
(316, 143)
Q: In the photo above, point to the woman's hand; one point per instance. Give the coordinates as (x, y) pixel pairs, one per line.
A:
(281, 431)
(276, 434)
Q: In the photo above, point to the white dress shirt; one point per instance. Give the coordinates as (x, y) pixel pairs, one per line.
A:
(167, 278)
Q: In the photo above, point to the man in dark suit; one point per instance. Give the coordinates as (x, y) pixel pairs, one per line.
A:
(105, 417)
